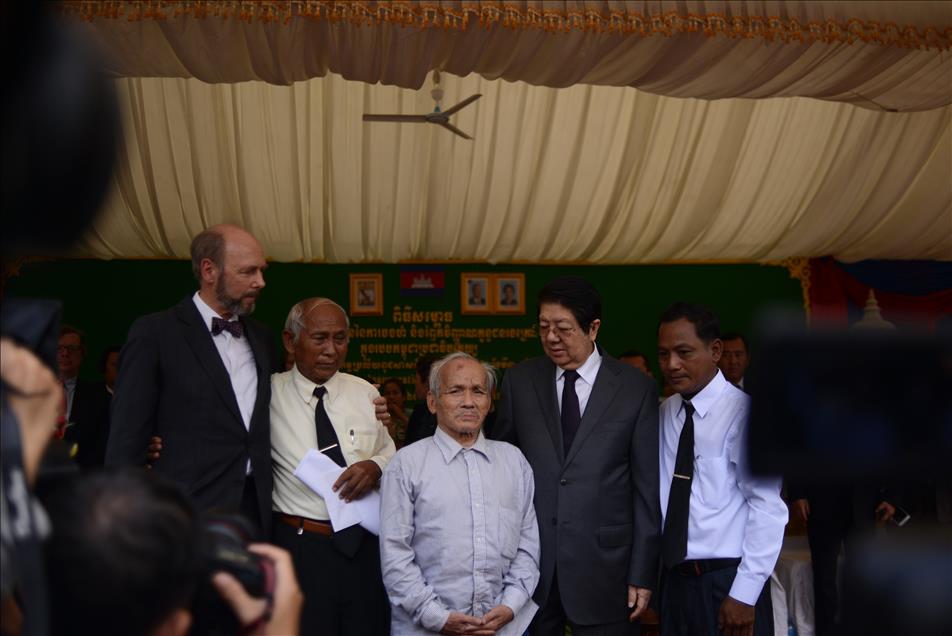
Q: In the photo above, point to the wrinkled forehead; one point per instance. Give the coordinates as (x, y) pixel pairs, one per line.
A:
(465, 373)
(324, 315)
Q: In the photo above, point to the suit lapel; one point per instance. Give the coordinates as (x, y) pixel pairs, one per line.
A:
(606, 386)
(544, 385)
(262, 364)
(199, 339)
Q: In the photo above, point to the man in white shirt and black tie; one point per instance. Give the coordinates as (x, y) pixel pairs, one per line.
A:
(722, 527)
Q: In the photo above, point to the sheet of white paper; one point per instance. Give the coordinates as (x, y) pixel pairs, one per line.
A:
(319, 472)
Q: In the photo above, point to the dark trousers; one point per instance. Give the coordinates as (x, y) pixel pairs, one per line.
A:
(826, 535)
(343, 596)
(551, 620)
(690, 604)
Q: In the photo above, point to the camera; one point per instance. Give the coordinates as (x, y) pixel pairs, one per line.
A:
(225, 540)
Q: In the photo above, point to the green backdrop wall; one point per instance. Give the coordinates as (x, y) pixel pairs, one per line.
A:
(104, 297)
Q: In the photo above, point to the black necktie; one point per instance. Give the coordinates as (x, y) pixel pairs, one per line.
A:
(326, 436)
(571, 413)
(234, 327)
(348, 540)
(674, 539)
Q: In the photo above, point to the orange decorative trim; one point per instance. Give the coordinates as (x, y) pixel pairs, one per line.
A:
(430, 14)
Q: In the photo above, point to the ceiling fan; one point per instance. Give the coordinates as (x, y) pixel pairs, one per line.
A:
(438, 116)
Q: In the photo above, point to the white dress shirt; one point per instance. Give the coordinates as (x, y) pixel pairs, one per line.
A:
(584, 383)
(732, 514)
(238, 359)
(349, 405)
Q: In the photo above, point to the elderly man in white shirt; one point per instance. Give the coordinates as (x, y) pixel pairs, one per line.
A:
(459, 541)
(314, 405)
(722, 527)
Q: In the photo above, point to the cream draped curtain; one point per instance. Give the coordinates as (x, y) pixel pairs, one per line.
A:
(595, 174)
(878, 55)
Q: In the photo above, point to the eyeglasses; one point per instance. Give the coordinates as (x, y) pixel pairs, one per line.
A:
(561, 331)
(68, 348)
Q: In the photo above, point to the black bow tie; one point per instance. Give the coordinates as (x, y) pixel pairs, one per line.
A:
(233, 327)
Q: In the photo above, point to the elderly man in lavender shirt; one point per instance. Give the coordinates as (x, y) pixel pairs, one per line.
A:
(459, 542)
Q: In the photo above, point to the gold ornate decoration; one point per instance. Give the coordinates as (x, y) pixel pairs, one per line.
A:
(473, 13)
(799, 268)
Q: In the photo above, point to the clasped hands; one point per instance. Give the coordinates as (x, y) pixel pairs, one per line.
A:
(486, 625)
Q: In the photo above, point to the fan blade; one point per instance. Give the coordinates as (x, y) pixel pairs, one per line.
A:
(466, 102)
(454, 129)
(395, 118)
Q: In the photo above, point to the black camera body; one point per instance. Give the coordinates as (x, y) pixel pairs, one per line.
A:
(225, 540)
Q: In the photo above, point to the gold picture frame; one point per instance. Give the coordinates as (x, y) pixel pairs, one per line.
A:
(476, 293)
(366, 294)
(509, 293)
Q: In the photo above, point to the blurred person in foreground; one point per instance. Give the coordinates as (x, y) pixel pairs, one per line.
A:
(126, 559)
(459, 541)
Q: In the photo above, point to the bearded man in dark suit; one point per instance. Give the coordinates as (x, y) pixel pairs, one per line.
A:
(588, 424)
(198, 375)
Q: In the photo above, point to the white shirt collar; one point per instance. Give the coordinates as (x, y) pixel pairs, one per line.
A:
(706, 397)
(305, 387)
(207, 312)
(587, 371)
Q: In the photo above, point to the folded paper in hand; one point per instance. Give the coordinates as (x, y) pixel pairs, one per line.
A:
(319, 472)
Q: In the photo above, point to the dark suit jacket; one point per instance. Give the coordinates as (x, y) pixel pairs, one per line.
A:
(172, 383)
(598, 506)
(90, 418)
(422, 424)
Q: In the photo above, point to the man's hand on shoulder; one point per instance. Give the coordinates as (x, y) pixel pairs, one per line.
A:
(736, 618)
(381, 412)
(357, 480)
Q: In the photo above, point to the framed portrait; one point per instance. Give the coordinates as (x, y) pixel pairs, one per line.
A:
(366, 294)
(475, 292)
(509, 293)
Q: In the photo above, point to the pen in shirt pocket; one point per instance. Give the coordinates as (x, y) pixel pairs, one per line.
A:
(353, 437)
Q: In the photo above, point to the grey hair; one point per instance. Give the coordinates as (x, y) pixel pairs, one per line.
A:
(295, 322)
(434, 379)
